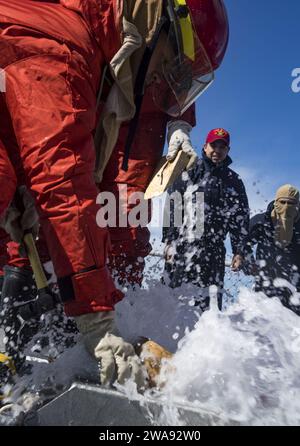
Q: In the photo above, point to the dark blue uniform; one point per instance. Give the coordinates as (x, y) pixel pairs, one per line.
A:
(272, 260)
(226, 211)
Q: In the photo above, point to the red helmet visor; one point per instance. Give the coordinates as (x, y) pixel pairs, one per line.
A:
(183, 79)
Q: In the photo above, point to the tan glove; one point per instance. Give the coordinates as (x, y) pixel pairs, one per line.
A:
(15, 223)
(179, 138)
(117, 358)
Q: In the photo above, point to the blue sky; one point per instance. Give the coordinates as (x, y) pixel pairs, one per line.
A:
(252, 96)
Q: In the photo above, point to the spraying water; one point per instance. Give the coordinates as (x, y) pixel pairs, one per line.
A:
(242, 364)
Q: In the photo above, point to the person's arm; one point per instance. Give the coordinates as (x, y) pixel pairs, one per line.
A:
(239, 221)
(254, 236)
(169, 232)
(188, 116)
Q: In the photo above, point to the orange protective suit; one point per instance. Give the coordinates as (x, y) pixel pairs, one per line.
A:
(52, 63)
(53, 56)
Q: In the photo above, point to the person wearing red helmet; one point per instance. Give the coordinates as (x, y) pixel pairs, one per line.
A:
(198, 31)
(199, 257)
(54, 55)
(180, 48)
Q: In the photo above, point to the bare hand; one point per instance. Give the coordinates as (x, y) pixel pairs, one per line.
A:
(169, 253)
(237, 262)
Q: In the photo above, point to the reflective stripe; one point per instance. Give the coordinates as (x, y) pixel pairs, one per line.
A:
(187, 32)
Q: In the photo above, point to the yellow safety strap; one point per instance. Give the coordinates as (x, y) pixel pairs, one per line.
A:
(187, 32)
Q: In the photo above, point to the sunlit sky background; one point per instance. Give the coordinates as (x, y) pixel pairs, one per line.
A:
(252, 96)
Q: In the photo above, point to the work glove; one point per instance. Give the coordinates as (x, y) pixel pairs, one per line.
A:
(117, 358)
(16, 221)
(179, 138)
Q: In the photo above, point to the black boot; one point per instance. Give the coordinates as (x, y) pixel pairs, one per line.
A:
(18, 287)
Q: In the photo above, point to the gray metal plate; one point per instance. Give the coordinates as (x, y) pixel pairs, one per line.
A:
(88, 405)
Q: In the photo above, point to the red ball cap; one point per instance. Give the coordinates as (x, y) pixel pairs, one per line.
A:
(216, 134)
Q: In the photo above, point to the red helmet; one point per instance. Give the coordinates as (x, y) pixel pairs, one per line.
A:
(211, 24)
(198, 33)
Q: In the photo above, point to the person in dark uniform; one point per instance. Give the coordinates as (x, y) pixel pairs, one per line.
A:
(276, 235)
(200, 259)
